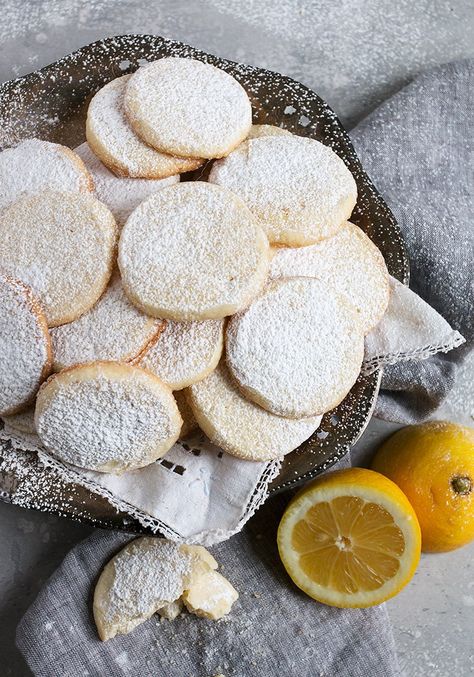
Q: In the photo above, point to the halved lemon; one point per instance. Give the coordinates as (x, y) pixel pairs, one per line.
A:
(350, 539)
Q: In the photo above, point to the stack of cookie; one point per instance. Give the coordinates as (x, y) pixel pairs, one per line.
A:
(238, 303)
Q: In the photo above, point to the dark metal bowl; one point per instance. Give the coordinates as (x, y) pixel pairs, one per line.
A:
(52, 103)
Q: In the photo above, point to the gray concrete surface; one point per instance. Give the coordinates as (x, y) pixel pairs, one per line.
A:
(354, 53)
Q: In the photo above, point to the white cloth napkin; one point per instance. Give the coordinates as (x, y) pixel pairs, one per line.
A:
(200, 494)
(410, 330)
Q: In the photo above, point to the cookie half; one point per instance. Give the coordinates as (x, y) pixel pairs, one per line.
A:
(152, 575)
(145, 576)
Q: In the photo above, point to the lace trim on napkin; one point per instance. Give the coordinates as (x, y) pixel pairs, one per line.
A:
(410, 330)
(156, 525)
(265, 473)
(453, 340)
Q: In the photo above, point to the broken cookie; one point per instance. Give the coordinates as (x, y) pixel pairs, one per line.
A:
(151, 575)
(211, 596)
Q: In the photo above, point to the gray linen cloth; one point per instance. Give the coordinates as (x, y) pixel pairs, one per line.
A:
(273, 629)
(418, 149)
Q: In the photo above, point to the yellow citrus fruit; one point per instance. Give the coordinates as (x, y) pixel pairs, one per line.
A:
(350, 538)
(433, 464)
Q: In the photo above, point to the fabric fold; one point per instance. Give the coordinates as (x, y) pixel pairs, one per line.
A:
(409, 330)
(273, 627)
(417, 147)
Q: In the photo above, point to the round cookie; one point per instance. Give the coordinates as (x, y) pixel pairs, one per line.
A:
(185, 352)
(257, 131)
(114, 141)
(35, 166)
(241, 427)
(192, 252)
(189, 421)
(112, 330)
(107, 417)
(301, 191)
(187, 107)
(349, 263)
(24, 422)
(297, 350)
(62, 245)
(121, 194)
(25, 347)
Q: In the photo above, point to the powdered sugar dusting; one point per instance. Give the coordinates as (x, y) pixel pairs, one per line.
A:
(27, 484)
(107, 417)
(34, 166)
(349, 263)
(186, 107)
(299, 188)
(297, 350)
(114, 329)
(241, 427)
(191, 252)
(113, 139)
(185, 352)
(148, 574)
(70, 263)
(120, 194)
(24, 345)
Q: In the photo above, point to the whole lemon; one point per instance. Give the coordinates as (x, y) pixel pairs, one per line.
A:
(433, 464)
